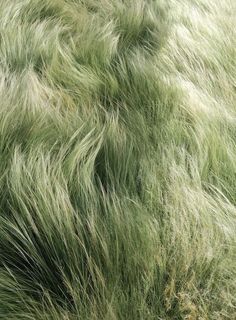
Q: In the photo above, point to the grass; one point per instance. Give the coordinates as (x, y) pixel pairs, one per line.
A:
(117, 160)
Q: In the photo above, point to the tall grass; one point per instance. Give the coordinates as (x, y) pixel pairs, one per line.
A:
(117, 159)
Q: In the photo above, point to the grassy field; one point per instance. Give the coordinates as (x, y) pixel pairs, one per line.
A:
(117, 159)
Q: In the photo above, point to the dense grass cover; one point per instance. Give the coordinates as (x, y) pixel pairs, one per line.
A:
(118, 159)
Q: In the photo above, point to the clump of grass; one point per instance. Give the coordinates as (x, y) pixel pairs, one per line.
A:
(117, 160)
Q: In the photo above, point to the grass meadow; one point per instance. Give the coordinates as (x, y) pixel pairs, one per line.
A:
(117, 160)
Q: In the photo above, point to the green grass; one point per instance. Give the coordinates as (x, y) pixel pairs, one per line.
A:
(117, 160)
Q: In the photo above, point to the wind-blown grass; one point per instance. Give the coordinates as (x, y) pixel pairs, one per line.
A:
(117, 159)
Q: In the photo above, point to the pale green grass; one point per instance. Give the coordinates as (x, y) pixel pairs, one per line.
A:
(117, 160)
